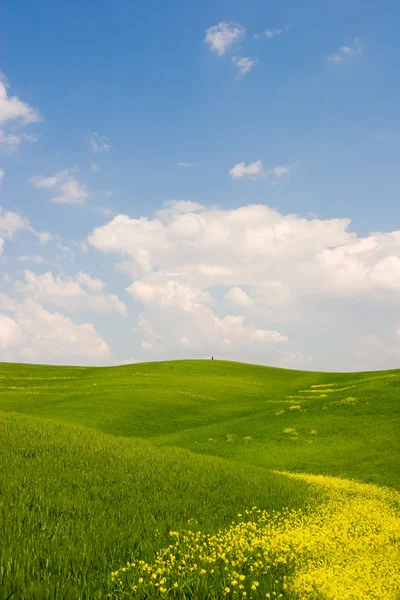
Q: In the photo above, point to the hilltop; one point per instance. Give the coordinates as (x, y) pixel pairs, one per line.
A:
(228, 409)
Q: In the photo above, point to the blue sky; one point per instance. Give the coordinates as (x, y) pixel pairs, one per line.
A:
(200, 110)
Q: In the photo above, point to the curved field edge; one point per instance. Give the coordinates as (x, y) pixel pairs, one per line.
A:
(345, 424)
(347, 546)
(76, 503)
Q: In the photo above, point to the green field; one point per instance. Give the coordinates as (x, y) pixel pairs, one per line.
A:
(100, 464)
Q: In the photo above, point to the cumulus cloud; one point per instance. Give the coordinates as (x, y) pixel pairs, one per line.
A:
(70, 293)
(7, 303)
(238, 297)
(171, 330)
(99, 142)
(67, 189)
(244, 64)
(300, 278)
(223, 36)
(252, 170)
(33, 334)
(170, 293)
(346, 52)
(12, 108)
(11, 222)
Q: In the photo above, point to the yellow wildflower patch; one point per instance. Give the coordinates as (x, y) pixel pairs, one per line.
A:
(349, 400)
(346, 546)
(323, 385)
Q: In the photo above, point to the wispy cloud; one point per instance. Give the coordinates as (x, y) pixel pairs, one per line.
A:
(1, 175)
(252, 170)
(346, 52)
(94, 167)
(99, 142)
(244, 64)
(281, 171)
(221, 37)
(39, 260)
(67, 189)
(17, 113)
(273, 32)
(184, 165)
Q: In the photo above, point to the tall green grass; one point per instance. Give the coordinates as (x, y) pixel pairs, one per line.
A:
(95, 461)
(77, 503)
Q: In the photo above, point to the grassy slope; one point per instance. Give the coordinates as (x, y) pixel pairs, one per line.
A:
(76, 503)
(187, 403)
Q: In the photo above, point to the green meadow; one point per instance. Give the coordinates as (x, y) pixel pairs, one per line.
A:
(99, 465)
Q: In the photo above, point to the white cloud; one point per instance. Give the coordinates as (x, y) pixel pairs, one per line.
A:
(99, 142)
(235, 332)
(177, 207)
(170, 330)
(307, 279)
(1, 175)
(238, 297)
(35, 335)
(44, 237)
(223, 36)
(91, 283)
(39, 260)
(354, 51)
(170, 293)
(67, 189)
(9, 141)
(281, 171)
(7, 303)
(252, 170)
(272, 33)
(184, 165)
(14, 112)
(11, 222)
(70, 293)
(94, 167)
(11, 333)
(13, 109)
(125, 361)
(244, 64)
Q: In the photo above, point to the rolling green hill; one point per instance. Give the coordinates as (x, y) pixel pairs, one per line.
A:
(102, 463)
(228, 409)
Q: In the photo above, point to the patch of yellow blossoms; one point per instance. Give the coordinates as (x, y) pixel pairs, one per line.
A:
(346, 547)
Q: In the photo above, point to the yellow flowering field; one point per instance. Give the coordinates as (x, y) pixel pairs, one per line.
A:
(345, 545)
